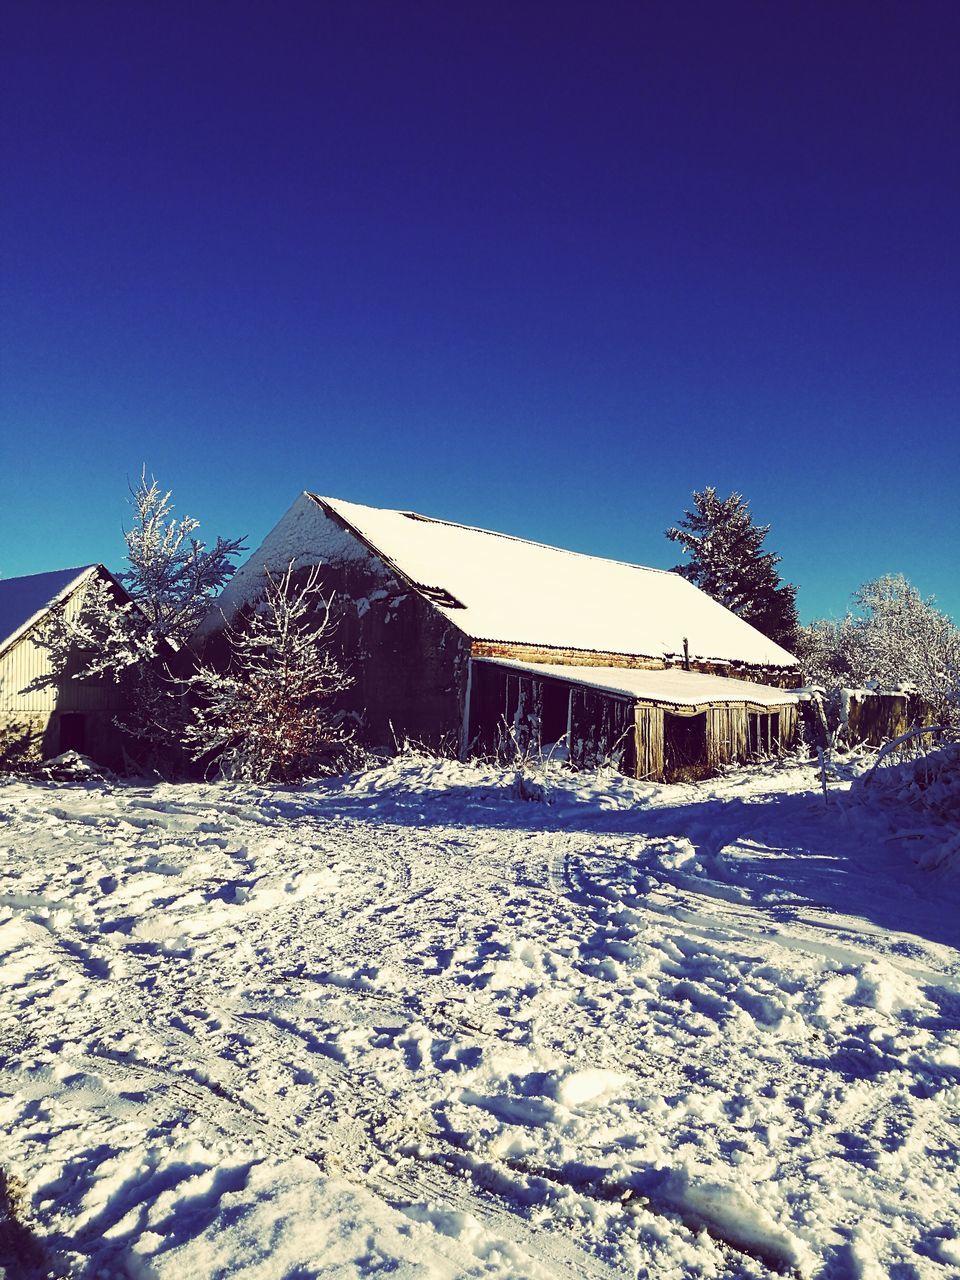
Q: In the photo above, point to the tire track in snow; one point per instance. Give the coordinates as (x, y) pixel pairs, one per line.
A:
(379, 1146)
(369, 1138)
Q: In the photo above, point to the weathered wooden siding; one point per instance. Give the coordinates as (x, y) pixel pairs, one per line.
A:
(648, 748)
(875, 718)
(789, 726)
(407, 662)
(725, 741)
(25, 661)
(512, 710)
(563, 657)
(728, 737)
(726, 734)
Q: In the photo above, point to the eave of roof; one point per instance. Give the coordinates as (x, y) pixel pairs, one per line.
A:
(44, 595)
(671, 686)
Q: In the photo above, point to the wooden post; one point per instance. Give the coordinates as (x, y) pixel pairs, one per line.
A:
(465, 720)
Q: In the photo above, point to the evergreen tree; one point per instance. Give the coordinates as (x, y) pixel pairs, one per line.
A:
(728, 562)
(172, 575)
(268, 717)
(172, 578)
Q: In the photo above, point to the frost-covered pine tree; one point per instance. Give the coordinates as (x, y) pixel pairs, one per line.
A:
(728, 562)
(895, 637)
(172, 575)
(103, 639)
(171, 579)
(268, 717)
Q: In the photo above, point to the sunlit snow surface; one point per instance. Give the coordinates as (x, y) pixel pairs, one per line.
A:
(410, 1024)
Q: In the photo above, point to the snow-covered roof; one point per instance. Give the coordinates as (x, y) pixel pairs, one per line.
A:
(24, 600)
(499, 588)
(511, 590)
(673, 686)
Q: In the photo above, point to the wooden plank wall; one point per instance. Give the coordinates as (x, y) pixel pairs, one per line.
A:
(605, 728)
(25, 661)
(648, 730)
(875, 718)
(30, 722)
(779, 677)
(562, 657)
(789, 726)
(726, 734)
(727, 739)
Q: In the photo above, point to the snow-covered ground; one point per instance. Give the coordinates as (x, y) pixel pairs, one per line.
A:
(409, 1024)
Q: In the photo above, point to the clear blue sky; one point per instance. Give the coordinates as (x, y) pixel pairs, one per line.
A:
(542, 267)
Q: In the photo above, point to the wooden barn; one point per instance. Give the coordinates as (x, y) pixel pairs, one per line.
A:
(71, 714)
(476, 641)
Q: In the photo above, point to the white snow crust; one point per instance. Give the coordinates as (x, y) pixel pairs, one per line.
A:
(404, 1023)
(673, 685)
(517, 591)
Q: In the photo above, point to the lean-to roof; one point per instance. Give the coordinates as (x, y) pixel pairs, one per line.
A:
(672, 686)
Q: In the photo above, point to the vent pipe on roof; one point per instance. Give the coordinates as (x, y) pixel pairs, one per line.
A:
(686, 654)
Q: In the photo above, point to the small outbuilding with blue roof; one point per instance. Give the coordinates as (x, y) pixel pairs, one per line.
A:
(68, 714)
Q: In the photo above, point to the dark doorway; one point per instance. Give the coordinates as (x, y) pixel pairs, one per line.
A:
(684, 746)
(72, 736)
(554, 713)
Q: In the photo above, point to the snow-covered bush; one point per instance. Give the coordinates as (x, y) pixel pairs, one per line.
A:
(269, 716)
(895, 639)
(925, 794)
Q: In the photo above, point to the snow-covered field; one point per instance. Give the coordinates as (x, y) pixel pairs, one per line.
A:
(409, 1024)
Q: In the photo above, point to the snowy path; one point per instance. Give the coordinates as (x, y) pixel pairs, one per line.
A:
(410, 1024)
